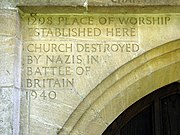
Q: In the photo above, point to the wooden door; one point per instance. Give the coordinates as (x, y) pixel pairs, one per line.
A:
(156, 114)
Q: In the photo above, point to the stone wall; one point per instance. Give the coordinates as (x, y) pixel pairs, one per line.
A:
(9, 69)
(125, 45)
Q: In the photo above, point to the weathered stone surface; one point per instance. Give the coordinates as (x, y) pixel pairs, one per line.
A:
(96, 121)
(33, 2)
(44, 113)
(132, 81)
(8, 4)
(64, 85)
(8, 22)
(52, 2)
(6, 111)
(7, 58)
(106, 38)
(132, 2)
(123, 98)
(66, 56)
(69, 3)
(53, 9)
(9, 72)
(9, 37)
(85, 3)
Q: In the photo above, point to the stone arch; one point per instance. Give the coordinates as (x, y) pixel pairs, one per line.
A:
(134, 80)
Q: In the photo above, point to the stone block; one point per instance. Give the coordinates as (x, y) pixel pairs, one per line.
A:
(9, 47)
(7, 57)
(69, 2)
(8, 23)
(52, 2)
(9, 34)
(6, 111)
(39, 111)
(16, 110)
(33, 2)
(6, 4)
(132, 2)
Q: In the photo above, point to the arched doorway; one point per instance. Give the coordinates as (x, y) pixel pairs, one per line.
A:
(129, 83)
(156, 114)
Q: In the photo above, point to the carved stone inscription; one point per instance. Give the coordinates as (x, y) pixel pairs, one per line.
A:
(59, 48)
(65, 56)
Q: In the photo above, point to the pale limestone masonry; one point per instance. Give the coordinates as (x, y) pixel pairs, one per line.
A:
(110, 83)
(131, 2)
(9, 69)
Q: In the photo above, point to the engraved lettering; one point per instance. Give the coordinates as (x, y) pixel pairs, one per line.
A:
(32, 94)
(60, 48)
(50, 83)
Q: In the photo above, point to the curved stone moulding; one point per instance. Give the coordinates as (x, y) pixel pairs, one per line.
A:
(134, 80)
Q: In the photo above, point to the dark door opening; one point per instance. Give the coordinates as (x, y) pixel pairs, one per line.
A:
(155, 114)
